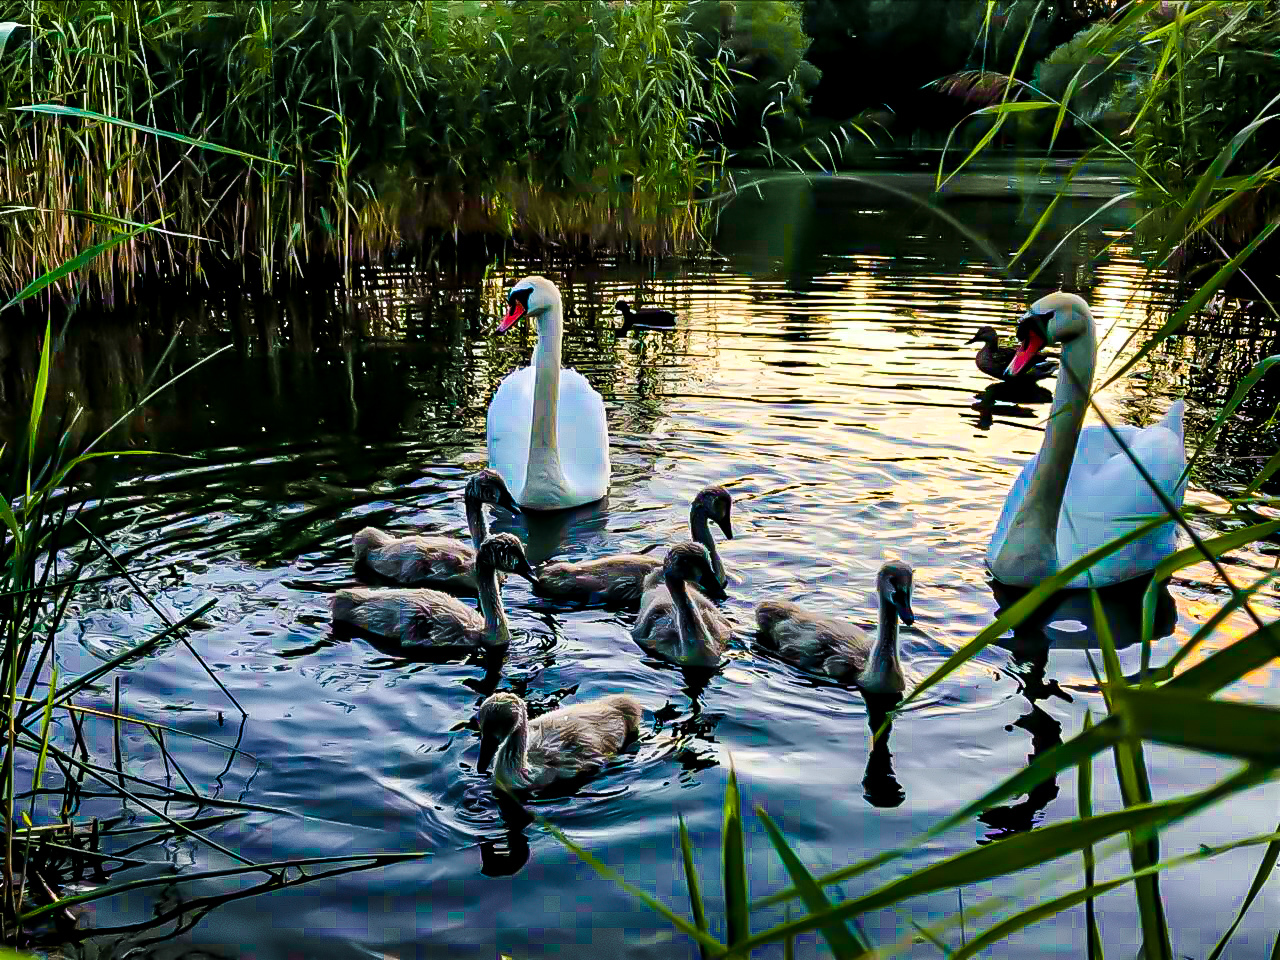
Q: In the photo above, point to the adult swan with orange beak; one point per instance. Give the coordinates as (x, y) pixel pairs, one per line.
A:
(548, 435)
(1082, 490)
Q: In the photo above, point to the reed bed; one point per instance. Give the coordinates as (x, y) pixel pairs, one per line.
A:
(344, 132)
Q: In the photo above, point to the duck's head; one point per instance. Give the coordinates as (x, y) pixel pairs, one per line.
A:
(622, 306)
(487, 486)
(1056, 318)
(505, 552)
(497, 717)
(690, 561)
(893, 584)
(714, 503)
(531, 297)
(984, 335)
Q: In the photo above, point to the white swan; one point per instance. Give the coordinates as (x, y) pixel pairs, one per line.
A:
(1081, 491)
(548, 436)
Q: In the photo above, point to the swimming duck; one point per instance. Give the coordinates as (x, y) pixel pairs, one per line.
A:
(675, 622)
(840, 650)
(620, 579)
(994, 360)
(568, 742)
(429, 618)
(443, 562)
(643, 317)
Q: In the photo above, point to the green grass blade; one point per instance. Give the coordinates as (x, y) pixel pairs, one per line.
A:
(1230, 663)
(1260, 878)
(1053, 907)
(1264, 475)
(46, 728)
(1026, 606)
(657, 906)
(839, 937)
(1049, 763)
(734, 863)
(1135, 790)
(1084, 805)
(1014, 853)
(1243, 730)
(79, 261)
(691, 881)
(37, 407)
(58, 110)
(1193, 303)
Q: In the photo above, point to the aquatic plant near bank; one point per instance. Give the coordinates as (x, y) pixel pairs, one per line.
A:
(346, 131)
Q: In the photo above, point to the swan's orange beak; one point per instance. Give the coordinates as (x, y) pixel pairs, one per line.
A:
(515, 310)
(1026, 353)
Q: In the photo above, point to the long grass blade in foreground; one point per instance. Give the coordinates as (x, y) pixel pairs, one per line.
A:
(737, 904)
(693, 884)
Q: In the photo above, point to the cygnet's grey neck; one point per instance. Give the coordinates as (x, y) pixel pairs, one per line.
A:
(477, 524)
(689, 625)
(700, 531)
(496, 629)
(510, 763)
(883, 663)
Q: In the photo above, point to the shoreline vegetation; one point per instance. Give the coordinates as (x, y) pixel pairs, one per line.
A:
(331, 133)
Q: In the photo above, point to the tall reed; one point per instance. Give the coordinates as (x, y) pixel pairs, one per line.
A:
(367, 128)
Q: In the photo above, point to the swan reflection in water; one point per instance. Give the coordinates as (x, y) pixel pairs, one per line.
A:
(1065, 620)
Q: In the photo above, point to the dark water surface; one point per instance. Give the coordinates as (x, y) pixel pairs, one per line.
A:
(819, 372)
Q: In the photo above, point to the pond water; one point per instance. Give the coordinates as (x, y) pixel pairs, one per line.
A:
(819, 371)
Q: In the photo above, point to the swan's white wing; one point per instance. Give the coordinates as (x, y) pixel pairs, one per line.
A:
(1106, 498)
(583, 434)
(510, 420)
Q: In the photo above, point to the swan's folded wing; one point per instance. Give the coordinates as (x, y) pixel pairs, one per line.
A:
(583, 433)
(510, 420)
(1107, 497)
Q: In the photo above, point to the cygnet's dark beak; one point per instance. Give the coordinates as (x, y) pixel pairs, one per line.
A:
(712, 587)
(902, 603)
(725, 524)
(507, 502)
(488, 747)
(524, 570)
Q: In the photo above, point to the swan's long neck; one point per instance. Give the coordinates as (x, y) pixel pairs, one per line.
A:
(689, 626)
(476, 522)
(511, 763)
(544, 469)
(1030, 551)
(884, 670)
(700, 530)
(497, 632)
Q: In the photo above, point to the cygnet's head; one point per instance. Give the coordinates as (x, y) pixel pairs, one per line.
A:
(714, 503)
(505, 552)
(497, 717)
(689, 560)
(531, 297)
(893, 584)
(487, 486)
(1056, 318)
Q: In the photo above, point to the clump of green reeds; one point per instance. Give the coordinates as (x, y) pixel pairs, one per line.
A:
(366, 129)
(58, 851)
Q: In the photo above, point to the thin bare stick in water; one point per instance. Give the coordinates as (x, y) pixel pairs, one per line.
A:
(124, 572)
